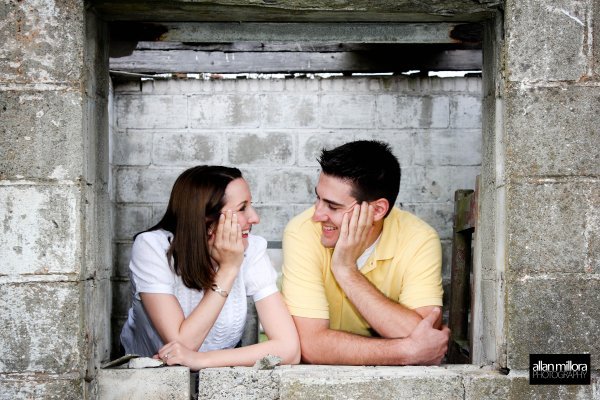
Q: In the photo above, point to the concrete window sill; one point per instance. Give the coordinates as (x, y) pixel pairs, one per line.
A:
(343, 382)
(465, 382)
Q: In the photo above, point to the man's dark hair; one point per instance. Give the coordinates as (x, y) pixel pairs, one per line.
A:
(368, 165)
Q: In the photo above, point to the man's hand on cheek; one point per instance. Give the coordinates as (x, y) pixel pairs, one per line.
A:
(354, 237)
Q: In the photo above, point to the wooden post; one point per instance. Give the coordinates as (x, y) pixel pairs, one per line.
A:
(459, 348)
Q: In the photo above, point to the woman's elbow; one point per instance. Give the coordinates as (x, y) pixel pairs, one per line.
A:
(295, 359)
(292, 353)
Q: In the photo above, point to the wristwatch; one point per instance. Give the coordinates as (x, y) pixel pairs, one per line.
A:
(219, 290)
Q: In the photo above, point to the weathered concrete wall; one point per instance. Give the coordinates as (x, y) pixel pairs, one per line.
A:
(551, 139)
(339, 382)
(538, 261)
(172, 383)
(488, 256)
(54, 277)
(273, 130)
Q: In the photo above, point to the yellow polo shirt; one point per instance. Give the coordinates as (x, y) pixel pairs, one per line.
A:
(406, 267)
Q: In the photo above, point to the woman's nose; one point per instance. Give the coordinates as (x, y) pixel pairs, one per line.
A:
(254, 218)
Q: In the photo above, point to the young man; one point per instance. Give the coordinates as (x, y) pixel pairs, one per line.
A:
(361, 278)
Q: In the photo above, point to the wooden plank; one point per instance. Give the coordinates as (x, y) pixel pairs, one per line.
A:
(460, 286)
(465, 212)
(473, 216)
(310, 32)
(320, 47)
(156, 61)
(295, 11)
(231, 32)
(459, 350)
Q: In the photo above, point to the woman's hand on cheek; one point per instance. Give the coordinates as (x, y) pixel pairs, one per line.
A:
(227, 247)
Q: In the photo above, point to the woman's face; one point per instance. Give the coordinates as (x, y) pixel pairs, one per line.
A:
(239, 200)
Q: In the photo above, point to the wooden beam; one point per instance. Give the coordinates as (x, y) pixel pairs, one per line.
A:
(294, 46)
(310, 32)
(157, 61)
(460, 345)
(358, 32)
(296, 11)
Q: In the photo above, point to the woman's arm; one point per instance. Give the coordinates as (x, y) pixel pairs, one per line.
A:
(165, 311)
(279, 327)
(168, 318)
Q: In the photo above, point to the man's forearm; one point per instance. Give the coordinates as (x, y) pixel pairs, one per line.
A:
(343, 348)
(426, 345)
(388, 318)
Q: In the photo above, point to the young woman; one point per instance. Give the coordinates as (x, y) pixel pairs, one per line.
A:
(191, 273)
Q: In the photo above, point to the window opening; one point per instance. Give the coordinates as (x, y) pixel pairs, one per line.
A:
(144, 60)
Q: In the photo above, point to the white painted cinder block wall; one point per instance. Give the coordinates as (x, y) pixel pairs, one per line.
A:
(273, 130)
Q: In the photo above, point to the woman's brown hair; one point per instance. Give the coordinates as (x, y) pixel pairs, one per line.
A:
(197, 197)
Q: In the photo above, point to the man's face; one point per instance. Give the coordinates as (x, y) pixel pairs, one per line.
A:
(333, 201)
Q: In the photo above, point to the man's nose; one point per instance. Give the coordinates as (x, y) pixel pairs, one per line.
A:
(319, 215)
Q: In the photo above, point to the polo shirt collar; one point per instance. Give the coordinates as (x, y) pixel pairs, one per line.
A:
(386, 248)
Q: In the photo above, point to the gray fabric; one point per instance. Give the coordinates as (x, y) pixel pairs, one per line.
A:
(138, 335)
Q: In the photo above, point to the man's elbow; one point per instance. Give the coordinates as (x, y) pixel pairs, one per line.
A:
(310, 354)
(307, 357)
(313, 333)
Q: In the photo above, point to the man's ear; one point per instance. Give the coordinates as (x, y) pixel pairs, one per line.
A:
(380, 208)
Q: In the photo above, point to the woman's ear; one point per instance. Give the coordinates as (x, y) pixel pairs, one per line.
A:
(210, 233)
(380, 208)
(211, 228)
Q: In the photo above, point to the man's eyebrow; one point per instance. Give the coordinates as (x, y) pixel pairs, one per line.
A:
(334, 203)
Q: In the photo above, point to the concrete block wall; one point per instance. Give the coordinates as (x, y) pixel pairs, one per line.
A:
(552, 178)
(540, 174)
(173, 383)
(55, 244)
(487, 311)
(273, 129)
(340, 382)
